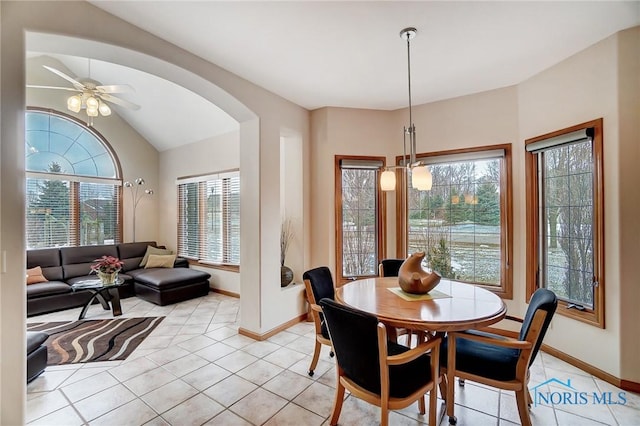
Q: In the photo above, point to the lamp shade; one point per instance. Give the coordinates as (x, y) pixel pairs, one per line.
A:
(421, 178)
(388, 180)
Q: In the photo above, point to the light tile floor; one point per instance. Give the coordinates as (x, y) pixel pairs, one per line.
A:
(196, 369)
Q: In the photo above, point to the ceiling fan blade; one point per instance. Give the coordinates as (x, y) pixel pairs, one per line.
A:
(75, 83)
(118, 101)
(115, 88)
(33, 86)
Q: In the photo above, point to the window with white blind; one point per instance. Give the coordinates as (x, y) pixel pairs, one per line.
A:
(209, 218)
(73, 191)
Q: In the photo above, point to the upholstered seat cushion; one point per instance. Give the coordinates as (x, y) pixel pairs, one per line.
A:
(165, 279)
(405, 379)
(47, 289)
(483, 359)
(35, 339)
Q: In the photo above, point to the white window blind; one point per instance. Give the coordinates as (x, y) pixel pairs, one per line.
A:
(66, 212)
(209, 218)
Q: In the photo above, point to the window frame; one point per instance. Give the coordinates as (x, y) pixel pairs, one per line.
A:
(201, 181)
(594, 316)
(505, 289)
(380, 215)
(75, 181)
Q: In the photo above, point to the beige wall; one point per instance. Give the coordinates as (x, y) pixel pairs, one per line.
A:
(579, 89)
(341, 131)
(629, 190)
(209, 156)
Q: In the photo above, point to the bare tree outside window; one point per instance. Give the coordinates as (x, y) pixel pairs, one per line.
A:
(359, 227)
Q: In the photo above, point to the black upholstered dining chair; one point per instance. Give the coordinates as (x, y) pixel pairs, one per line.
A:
(390, 268)
(499, 361)
(318, 284)
(378, 371)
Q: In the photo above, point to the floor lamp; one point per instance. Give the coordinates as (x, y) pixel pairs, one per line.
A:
(136, 196)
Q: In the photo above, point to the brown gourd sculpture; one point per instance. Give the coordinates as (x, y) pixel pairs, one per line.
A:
(413, 279)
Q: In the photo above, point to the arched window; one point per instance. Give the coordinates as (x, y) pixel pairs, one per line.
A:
(73, 183)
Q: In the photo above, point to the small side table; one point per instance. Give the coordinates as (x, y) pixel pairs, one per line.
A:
(104, 293)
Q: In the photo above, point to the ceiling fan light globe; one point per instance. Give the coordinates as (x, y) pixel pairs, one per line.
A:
(74, 103)
(92, 112)
(92, 103)
(104, 109)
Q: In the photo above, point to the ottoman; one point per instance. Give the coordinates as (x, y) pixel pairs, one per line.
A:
(36, 354)
(164, 286)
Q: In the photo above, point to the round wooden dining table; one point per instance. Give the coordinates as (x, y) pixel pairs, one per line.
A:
(451, 306)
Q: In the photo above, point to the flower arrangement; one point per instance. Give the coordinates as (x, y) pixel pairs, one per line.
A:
(107, 265)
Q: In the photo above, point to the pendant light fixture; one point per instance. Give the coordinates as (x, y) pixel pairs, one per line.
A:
(421, 178)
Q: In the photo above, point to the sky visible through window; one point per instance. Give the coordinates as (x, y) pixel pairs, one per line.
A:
(55, 139)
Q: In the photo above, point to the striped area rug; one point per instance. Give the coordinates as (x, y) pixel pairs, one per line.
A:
(73, 342)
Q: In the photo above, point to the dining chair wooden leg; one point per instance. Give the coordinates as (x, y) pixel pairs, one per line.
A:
(316, 356)
(523, 407)
(421, 405)
(337, 403)
(451, 368)
(529, 399)
(443, 387)
(433, 401)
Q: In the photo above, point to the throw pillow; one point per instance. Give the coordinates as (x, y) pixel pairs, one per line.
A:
(160, 261)
(34, 276)
(153, 250)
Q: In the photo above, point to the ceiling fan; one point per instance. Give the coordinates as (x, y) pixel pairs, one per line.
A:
(91, 96)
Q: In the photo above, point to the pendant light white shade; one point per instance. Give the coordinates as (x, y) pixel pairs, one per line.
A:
(421, 178)
(388, 180)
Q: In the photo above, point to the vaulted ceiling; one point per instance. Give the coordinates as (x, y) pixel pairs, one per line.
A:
(349, 54)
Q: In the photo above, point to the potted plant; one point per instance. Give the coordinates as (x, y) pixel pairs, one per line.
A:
(107, 268)
(286, 236)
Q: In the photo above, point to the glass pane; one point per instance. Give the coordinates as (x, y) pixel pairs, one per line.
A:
(189, 237)
(568, 215)
(98, 214)
(457, 223)
(52, 138)
(48, 213)
(359, 222)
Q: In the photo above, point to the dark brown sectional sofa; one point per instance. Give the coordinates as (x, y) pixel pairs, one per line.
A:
(66, 265)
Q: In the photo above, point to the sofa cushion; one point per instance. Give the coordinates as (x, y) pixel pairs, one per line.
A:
(48, 260)
(132, 253)
(164, 279)
(160, 261)
(77, 261)
(34, 276)
(153, 250)
(47, 289)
